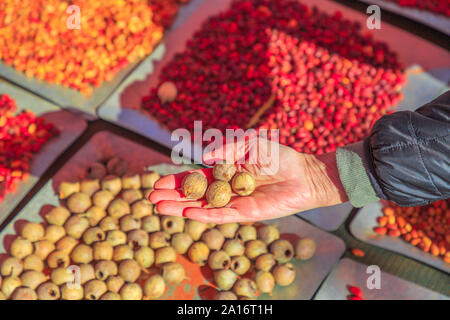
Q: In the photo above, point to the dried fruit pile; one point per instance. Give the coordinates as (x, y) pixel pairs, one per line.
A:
(425, 227)
(330, 81)
(124, 250)
(436, 6)
(21, 136)
(35, 38)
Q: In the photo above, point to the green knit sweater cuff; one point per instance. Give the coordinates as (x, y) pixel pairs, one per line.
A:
(352, 164)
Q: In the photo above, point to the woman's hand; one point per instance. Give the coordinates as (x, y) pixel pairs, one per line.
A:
(298, 182)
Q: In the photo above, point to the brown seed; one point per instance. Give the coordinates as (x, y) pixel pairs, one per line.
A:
(9, 284)
(66, 244)
(245, 287)
(218, 194)
(265, 262)
(43, 248)
(129, 222)
(131, 291)
(66, 189)
(72, 292)
(82, 254)
(129, 270)
(240, 265)
(95, 215)
(268, 233)
(228, 229)
(60, 276)
(148, 179)
(219, 260)
(54, 233)
(142, 208)
(108, 224)
(58, 259)
(255, 248)
(24, 294)
(110, 296)
(195, 229)
(114, 283)
(57, 216)
(12, 267)
(48, 291)
(224, 172)
(181, 242)
(145, 256)
(122, 252)
(20, 248)
(246, 233)
(164, 255)
(225, 295)
(112, 183)
(118, 208)
(243, 184)
(78, 202)
(102, 250)
(92, 235)
(102, 199)
(159, 239)
(33, 262)
(282, 250)
(32, 279)
(76, 225)
(87, 272)
(305, 248)
(32, 231)
(225, 279)
(284, 274)
(173, 273)
(154, 287)
(94, 289)
(131, 181)
(172, 224)
(151, 224)
(137, 238)
(234, 247)
(194, 186)
(90, 186)
(264, 281)
(131, 195)
(104, 269)
(214, 239)
(198, 253)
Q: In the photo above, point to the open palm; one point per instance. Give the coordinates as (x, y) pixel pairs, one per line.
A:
(296, 183)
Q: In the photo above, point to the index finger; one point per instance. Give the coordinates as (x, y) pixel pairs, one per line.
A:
(174, 181)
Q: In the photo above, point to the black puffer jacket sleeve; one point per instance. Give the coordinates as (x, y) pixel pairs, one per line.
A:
(408, 154)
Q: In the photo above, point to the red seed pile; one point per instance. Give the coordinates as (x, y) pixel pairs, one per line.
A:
(436, 6)
(331, 81)
(426, 227)
(21, 136)
(35, 38)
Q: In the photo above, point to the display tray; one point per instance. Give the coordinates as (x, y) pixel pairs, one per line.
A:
(73, 100)
(437, 21)
(349, 272)
(310, 274)
(123, 106)
(362, 228)
(69, 125)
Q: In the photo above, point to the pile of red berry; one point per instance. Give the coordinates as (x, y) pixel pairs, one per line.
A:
(436, 6)
(21, 136)
(330, 81)
(426, 227)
